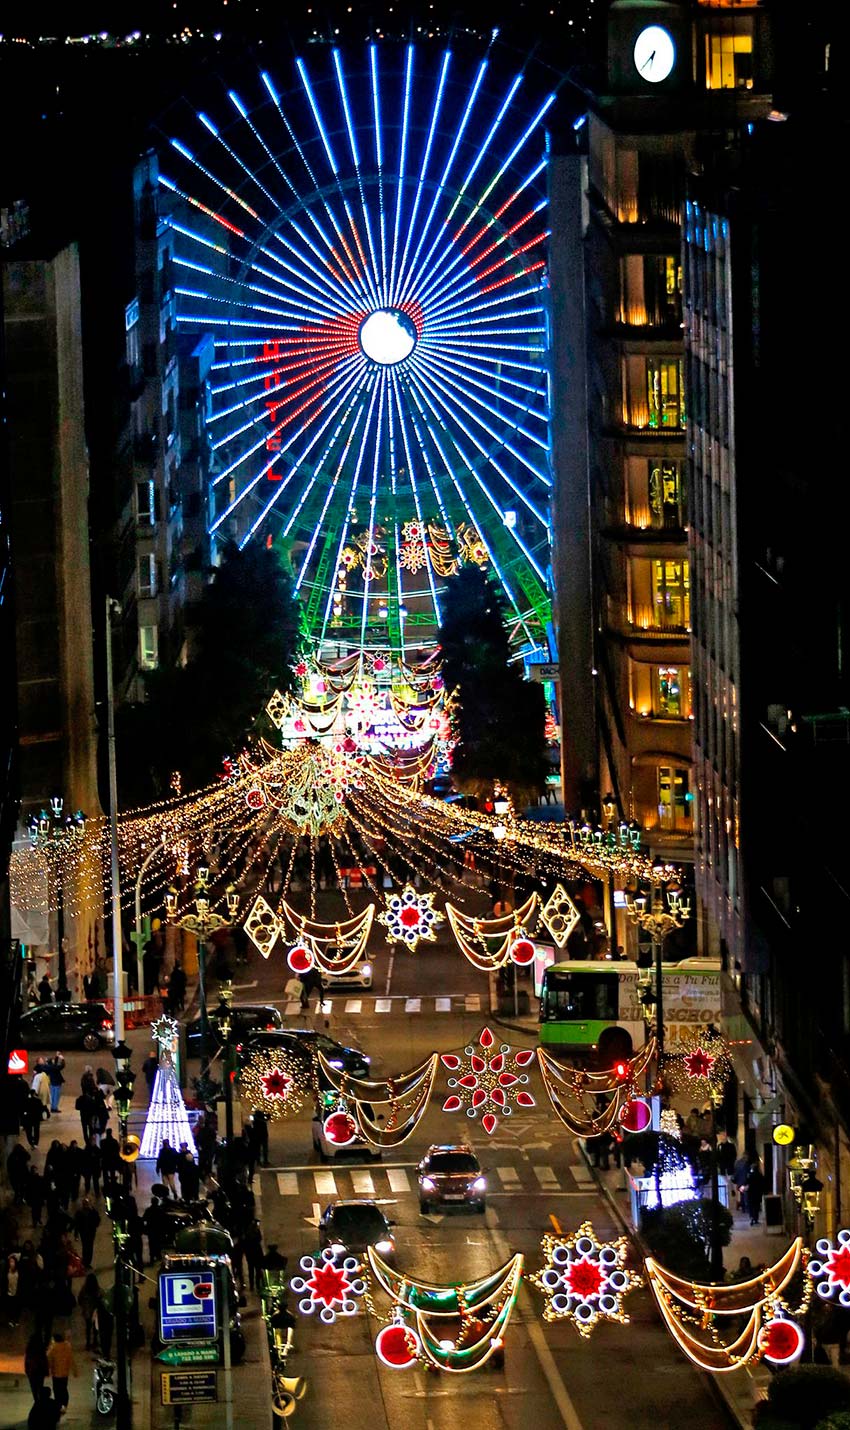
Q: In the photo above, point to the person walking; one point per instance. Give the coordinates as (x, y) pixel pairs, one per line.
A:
(167, 1164)
(11, 1288)
(87, 1081)
(86, 1107)
(35, 1195)
(61, 1364)
(153, 1225)
(177, 989)
(45, 992)
(739, 1180)
(87, 1300)
(86, 1223)
(35, 1363)
(54, 1073)
(74, 1164)
(110, 1161)
(755, 1192)
(258, 1128)
(32, 1116)
(100, 1118)
(41, 1085)
(252, 1243)
(91, 1165)
(17, 1163)
(105, 1083)
(45, 1413)
(190, 1177)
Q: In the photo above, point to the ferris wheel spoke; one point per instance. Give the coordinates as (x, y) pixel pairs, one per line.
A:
(411, 473)
(402, 160)
(435, 112)
(318, 526)
(355, 479)
(461, 378)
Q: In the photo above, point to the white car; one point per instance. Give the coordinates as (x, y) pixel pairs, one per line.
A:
(358, 977)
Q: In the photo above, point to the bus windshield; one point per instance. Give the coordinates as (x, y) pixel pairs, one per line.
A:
(578, 994)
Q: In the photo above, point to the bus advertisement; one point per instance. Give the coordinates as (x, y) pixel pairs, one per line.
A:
(578, 1001)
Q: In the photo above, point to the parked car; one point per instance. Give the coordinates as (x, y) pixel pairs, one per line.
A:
(360, 976)
(245, 1019)
(67, 1025)
(450, 1175)
(349, 1060)
(351, 1226)
(328, 1150)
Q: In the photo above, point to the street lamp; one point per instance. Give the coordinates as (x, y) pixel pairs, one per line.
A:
(49, 829)
(805, 1187)
(157, 849)
(117, 1209)
(664, 911)
(203, 922)
(224, 1019)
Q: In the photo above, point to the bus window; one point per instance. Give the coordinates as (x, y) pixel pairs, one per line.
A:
(578, 995)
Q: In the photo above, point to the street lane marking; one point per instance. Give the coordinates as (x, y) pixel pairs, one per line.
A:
(444, 1005)
(363, 1184)
(292, 1008)
(508, 1175)
(354, 1005)
(412, 1005)
(383, 1005)
(545, 1176)
(582, 1174)
(472, 1003)
(349, 1167)
(325, 1184)
(287, 1184)
(397, 1179)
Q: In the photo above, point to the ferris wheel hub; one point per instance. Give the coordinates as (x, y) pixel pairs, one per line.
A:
(387, 336)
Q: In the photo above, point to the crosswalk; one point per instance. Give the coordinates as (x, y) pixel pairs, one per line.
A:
(400, 1180)
(398, 1003)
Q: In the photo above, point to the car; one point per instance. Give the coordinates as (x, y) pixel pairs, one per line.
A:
(360, 976)
(450, 1175)
(67, 1025)
(351, 1226)
(245, 1019)
(327, 1149)
(349, 1060)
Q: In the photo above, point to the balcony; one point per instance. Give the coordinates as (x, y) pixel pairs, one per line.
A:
(636, 523)
(636, 621)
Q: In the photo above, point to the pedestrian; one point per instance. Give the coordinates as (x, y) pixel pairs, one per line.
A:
(54, 1073)
(86, 1223)
(56, 1182)
(294, 988)
(35, 1195)
(100, 1117)
(206, 1142)
(154, 953)
(11, 1291)
(61, 1364)
(110, 1161)
(190, 1177)
(32, 1116)
(743, 1271)
(274, 1260)
(153, 1223)
(45, 1413)
(87, 1300)
(45, 992)
(252, 1243)
(259, 1127)
(166, 1165)
(41, 1085)
(105, 1323)
(105, 1083)
(86, 1107)
(74, 1165)
(149, 1068)
(177, 988)
(726, 1153)
(739, 1180)
(17, 1163)
(35, 1363)
(755, 1191)
(87, 1081)
(91, 1164)
(599, 1149)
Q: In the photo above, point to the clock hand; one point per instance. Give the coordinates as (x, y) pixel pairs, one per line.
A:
(648, 61)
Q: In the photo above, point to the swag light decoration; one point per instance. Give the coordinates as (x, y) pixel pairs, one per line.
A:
(371, 265)
(335, 948)
(584, 1279)
(406, 1098)
(574, 1093)
(693, 1313)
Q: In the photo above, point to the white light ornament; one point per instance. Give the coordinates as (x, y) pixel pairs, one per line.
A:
(830, 1269)
(330, 1287)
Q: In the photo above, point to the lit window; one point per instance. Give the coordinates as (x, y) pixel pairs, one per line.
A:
(668, 690)
(146, 503)
(665, 494)
(664, 392)
(147, 576)
(148, 647)
(674, 798)
(729, 61)
(671, 594)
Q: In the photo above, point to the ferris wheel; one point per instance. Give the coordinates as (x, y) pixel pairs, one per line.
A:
(368, 250)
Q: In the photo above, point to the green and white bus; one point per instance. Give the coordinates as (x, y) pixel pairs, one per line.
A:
(579, 1001)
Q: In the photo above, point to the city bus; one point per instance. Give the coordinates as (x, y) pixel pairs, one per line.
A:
(579, 1001)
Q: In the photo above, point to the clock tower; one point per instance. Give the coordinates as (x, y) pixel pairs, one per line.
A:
(649, 50)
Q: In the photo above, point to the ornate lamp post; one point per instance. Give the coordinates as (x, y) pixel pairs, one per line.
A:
(224, 1019)
(49, 829)
(663, 911)
(117, 1208)
(202, 922)
(805, 1187)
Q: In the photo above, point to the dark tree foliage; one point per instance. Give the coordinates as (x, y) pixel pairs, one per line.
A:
(806, 1397)
(499, 717)
(679, 1237)
(248, 636)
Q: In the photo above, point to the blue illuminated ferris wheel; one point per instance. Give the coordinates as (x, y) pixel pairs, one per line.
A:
(368, 252)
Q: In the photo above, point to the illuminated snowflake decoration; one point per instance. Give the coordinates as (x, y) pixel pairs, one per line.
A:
(830, 1269)
(699, 1063)
(410, 918)
(165, 1031)
(489, 1082)
(584, 1280)
(330, 1287)
(276, 1083)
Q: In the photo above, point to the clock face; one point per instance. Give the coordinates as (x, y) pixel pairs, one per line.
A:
(655, 54)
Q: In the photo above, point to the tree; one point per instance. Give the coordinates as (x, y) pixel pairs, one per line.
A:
(679, 1237)
(248, 637)
(803, 1398)
(499, 718)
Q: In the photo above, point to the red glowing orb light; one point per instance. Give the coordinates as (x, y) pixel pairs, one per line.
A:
(522, 951)
(635, 1115)
(340, 1128)
(300, 959)
(397, 1346)
(781, 1341)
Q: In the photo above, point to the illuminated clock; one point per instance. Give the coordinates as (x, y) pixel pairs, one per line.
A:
(654, 54)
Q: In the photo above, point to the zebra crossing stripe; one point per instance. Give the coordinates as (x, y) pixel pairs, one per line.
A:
(444, 1005)
(363, 1184)
(508, 1175)
(292, 1008)
(546, 1177)
(413, 1005)
(287, 1184)
(398, 1179)
(383, 1005)
(325, 1184)
(472, 1003)
(354, 1005)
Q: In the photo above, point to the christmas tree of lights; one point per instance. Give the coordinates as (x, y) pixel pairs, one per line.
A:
(167, 1115)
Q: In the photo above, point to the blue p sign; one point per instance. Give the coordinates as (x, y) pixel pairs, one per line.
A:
(187, 1306)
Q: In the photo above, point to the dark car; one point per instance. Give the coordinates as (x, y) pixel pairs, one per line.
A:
(349, 1060)
(67, 1025)
(245, 1019)
(451, 1176)
(354, 1225)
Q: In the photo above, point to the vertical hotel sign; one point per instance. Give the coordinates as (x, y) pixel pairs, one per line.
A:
(272, 383)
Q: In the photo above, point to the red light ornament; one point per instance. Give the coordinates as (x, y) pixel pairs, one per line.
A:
(300, 959)
(397, 1346)
(635, 1115)
(340, 1128)
(522, 952)
(781, 1341)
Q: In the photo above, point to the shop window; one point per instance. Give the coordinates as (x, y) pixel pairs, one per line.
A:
(674, 798)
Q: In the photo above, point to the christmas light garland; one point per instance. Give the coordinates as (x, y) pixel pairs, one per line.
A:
(277, 1082)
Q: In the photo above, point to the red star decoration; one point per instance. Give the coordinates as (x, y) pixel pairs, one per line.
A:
(276, 1083)
(838, 1266)
(699, 1063)
(328, 1284)
(585, 1278)
(410, 918)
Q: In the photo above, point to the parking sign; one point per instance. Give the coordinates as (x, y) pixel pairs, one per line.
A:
(187, 1306)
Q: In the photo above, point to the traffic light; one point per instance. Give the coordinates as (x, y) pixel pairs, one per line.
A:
(621, 1070)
